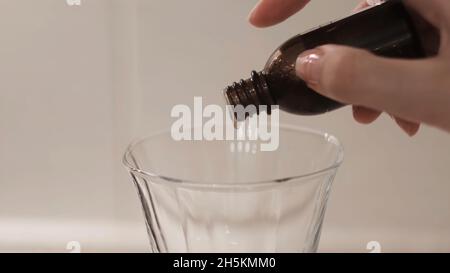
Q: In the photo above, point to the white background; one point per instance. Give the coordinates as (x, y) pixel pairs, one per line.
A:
(77, 84)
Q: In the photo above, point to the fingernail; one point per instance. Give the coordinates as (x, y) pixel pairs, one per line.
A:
(252, 13)
(309, 66)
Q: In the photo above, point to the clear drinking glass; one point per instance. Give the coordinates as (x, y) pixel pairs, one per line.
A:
(225, 196)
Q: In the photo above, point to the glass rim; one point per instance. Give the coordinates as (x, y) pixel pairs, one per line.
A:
(130, 166)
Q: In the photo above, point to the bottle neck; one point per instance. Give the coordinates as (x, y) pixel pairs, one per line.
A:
(253, 91)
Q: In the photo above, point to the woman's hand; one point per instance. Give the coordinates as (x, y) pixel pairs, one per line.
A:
(414, 91)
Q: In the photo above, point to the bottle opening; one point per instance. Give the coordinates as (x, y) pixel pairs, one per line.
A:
(250, 93)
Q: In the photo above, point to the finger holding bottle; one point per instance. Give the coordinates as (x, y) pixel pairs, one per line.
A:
(416, 90)
(412, 90)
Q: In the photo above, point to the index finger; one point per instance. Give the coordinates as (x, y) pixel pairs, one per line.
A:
(271, 12)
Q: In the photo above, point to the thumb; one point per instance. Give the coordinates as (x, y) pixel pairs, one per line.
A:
(358, 77)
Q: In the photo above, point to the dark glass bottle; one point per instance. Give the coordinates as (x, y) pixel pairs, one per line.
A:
(386, 30)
